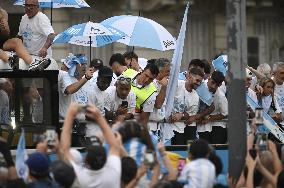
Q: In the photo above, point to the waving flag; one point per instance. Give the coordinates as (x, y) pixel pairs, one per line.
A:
(204, 94)
(268, 121)
(176, 62)
(221, 64)
(21, 157)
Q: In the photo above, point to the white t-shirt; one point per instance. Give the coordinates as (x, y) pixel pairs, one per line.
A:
(199, 173)
(98, 98)
(157, 114)
(221, 107)
(107, 177)
(279, 96)
(35, 32)
(184, 101)
(64, 80)
(112, 101)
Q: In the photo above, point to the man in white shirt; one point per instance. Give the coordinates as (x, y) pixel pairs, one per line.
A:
(186, 103)
(97, 95)
(145, 91)
(278, 70)
(36, 31)
(70, 84)
(101, 170)
(121, 101)
(199, 172)
(212, 128)
(161, 82)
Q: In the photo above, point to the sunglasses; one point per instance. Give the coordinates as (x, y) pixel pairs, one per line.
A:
(30, 5)
(124, 79)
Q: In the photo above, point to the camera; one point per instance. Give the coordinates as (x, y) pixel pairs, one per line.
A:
(50, 136)
(258, 116)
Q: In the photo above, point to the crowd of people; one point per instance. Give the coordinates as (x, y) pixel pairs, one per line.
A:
(123, 108)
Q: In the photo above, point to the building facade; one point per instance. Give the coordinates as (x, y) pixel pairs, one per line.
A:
(206, 32)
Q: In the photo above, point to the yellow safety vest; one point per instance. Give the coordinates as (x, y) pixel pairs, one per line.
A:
(142, 94)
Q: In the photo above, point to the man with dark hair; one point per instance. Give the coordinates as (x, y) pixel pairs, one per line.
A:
(97, 95)
(63, 173)
(207, 69)
(161, 83)
(212, 128)
(186, 105)
(117, 64)
(131, 60)
(144, 89)
(101, 170)
(194, 63)
(128, 171)
(200, 172)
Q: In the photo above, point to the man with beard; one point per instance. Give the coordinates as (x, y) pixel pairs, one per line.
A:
(186, 103)
(212, 128)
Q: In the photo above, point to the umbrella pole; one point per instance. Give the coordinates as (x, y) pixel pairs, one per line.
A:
(51, 12)
(90, 48)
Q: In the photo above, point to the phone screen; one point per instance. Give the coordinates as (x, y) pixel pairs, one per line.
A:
(50, 136)
(124, 104)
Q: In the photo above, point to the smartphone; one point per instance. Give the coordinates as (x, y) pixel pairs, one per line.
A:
(81, 111)
(50, 136)
(149, 158)
(124, 104)
(258, 116)
(262, 142)
(252, 153)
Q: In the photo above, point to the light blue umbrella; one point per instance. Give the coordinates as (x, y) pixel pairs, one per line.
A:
(142, 32)
(57, 4)
(89, 34)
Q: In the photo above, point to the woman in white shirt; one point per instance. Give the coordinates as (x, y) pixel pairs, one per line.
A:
(267, 101)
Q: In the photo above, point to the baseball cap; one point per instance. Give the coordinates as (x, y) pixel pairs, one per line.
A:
(96, 63)
(38, 164)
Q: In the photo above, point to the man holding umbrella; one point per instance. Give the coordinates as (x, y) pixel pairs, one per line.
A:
(36, 31)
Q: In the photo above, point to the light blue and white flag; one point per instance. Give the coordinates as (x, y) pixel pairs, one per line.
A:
(268, 121)
(221, 64)
(135, 149)
(204, 94)
(176, 62)
(21, 157)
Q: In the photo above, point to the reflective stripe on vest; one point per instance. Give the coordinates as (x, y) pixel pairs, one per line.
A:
(142, 94)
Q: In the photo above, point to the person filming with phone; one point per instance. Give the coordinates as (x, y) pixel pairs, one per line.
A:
(121, 101)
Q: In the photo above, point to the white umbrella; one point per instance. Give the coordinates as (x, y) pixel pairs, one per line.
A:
(142, 32)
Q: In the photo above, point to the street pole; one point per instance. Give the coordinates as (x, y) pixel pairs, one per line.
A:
(237, 56)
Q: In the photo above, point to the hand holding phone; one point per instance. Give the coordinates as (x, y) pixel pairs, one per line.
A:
(149, 158)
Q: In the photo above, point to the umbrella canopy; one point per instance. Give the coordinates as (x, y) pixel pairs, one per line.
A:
(57, 3)
(142, 32)
(89, 34)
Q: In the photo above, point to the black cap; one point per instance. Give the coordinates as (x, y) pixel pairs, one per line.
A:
(96, 63)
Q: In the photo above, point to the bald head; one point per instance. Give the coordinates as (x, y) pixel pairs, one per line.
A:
(31, 8)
